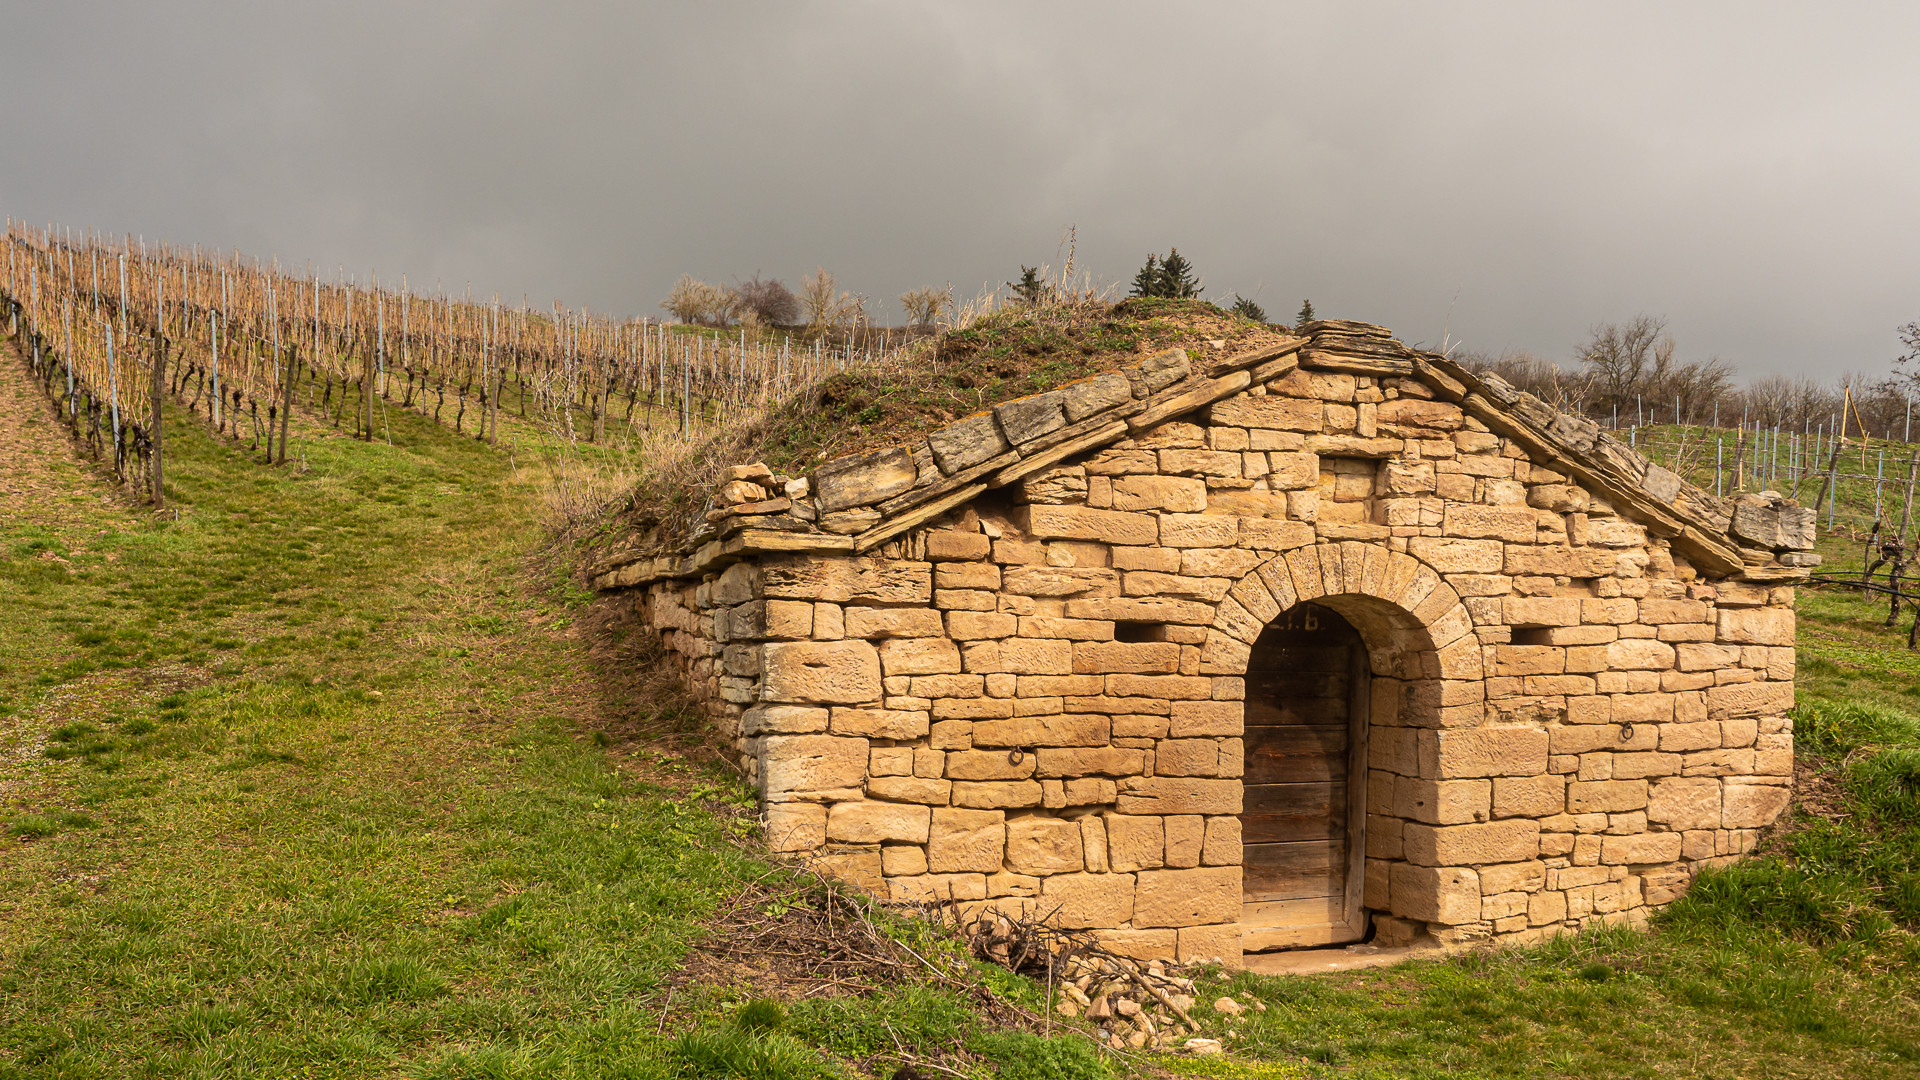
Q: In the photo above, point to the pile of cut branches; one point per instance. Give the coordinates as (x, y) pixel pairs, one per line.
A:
(797, 933)
(1135, 1004)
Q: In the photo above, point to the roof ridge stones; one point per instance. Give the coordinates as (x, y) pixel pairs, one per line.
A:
(855, 503)
(1702, 526)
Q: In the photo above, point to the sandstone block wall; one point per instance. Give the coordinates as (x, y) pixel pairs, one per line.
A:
(1033, 696)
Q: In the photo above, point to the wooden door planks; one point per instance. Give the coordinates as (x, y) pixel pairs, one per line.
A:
(1303, 853)
(1279, 813)
(1296, 755)
(1296, 870)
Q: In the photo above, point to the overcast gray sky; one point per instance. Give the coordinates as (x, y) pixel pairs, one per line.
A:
(1504, 174)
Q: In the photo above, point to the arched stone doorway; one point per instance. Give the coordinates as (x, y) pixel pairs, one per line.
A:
(1303, 822)
(1418, 669)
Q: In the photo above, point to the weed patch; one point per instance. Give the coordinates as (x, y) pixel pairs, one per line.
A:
(726, 1053)
(31, 827)
(1020, 1055)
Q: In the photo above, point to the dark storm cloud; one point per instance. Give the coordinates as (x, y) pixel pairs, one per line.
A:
(1501, 175)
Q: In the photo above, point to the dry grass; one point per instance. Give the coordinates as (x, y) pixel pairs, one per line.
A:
(1009, 352)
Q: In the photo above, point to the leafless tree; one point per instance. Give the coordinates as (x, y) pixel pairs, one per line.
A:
(1882, 405)
(828, 308)
(767, 300)
(1692, 388)
(1566, 390)
(1633, 365)
(1768, 401)
(924, 305)
(1620, 357)
(1812, 404)
(694, 301)
(1906, 366)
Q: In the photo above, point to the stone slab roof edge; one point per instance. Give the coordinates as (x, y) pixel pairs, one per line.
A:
(863, 500)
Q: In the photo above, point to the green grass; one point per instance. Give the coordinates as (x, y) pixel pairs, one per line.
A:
(1870, 478)
(307, 782)
(320, 743)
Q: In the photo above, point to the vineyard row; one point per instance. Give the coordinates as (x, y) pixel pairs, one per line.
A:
(112, 327)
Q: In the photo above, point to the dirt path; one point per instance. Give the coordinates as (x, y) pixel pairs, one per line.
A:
(48, 493)
(41, 476)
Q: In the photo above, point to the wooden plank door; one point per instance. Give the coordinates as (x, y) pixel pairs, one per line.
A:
(1303, 821)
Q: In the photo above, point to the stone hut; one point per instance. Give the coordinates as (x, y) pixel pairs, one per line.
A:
(1216, 652)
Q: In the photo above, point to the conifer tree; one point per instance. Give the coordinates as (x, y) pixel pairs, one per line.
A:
(1029, 289)
(1147, 281)
(1176, 277)
(1301, 320)
(1247, 309)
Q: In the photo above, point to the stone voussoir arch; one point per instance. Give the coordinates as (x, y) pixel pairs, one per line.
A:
(1417, 628)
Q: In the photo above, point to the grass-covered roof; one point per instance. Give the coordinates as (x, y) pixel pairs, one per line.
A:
(1011, 353)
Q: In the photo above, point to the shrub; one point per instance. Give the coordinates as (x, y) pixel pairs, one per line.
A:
(1029, 289)
(827, 307)
(1177, 280)
(924, 305)
(768, 299)
(701, 303)
(1565, 390)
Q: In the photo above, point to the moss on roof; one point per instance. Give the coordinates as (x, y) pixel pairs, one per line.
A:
(1009, 354)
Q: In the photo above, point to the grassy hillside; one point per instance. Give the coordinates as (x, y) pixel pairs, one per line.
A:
(319, 780)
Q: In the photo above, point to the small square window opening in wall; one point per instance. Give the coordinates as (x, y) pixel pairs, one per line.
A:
(1530, 635)
(1138, 631)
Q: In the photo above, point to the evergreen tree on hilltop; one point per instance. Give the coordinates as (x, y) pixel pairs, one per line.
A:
(1170, 277)
(1247, 309)
(1301, 320)
(1029, 289)
(1177, 280)
(1147, 281)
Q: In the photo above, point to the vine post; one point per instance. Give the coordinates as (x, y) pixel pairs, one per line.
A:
(159, 396)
